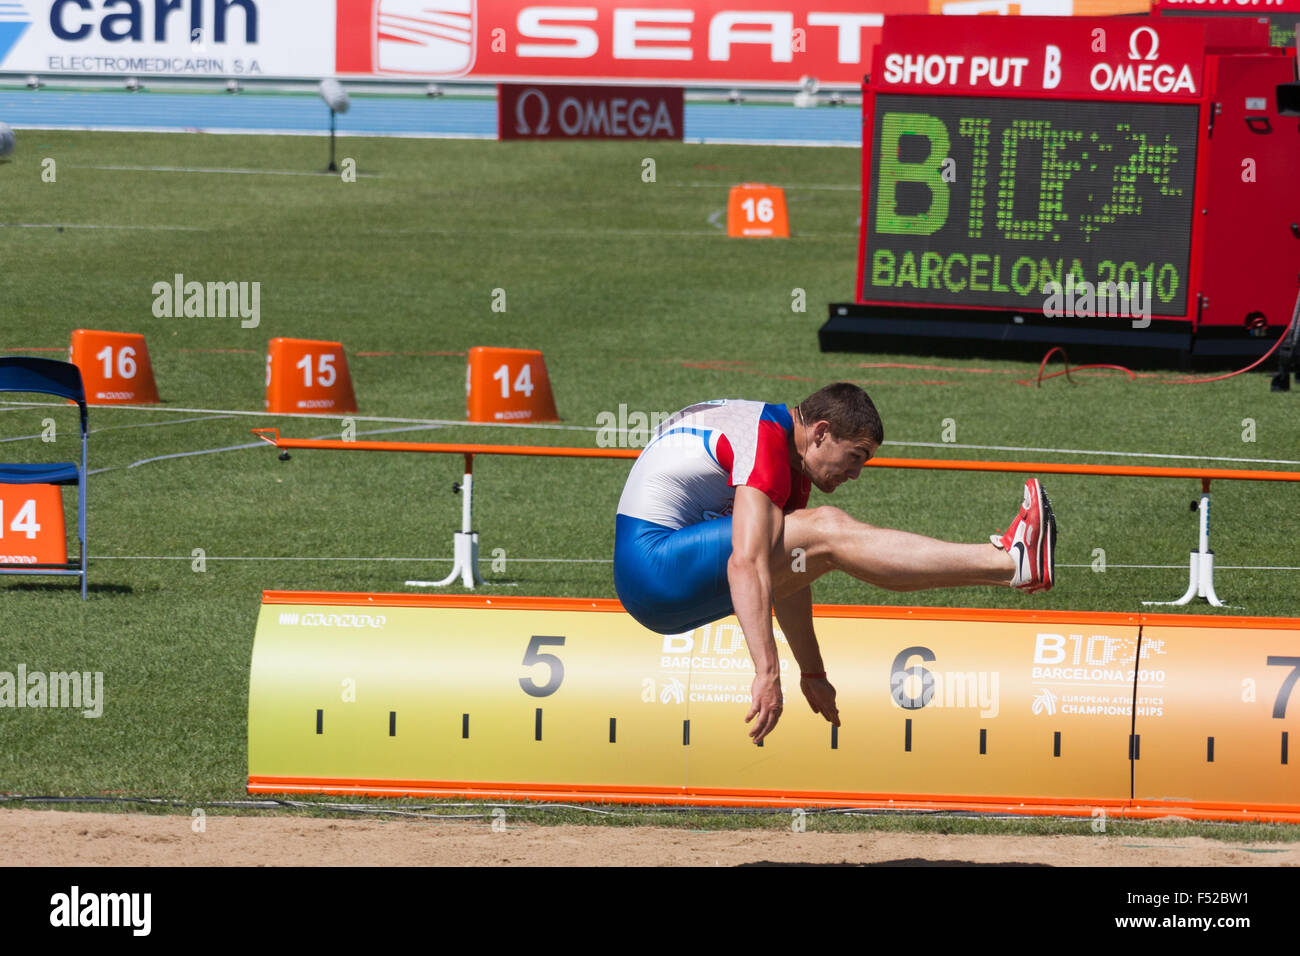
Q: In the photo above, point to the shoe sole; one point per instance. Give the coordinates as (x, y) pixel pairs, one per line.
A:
(1050, 542)
(1047, 545)
(1044, 556)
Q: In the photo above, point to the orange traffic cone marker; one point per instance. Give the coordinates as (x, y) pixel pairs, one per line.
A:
(305, 376)
(115, 367)
(508, 385)
(757, 210)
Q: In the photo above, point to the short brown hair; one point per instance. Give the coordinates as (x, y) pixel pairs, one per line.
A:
(851, 413)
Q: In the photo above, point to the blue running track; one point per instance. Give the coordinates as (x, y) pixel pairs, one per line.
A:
(389, 116)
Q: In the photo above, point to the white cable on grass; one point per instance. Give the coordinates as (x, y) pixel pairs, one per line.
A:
(458, 423)
(258, 444)
(78, 225)
(187, 557)
(220, 171)
(447, 422)
(109, 428)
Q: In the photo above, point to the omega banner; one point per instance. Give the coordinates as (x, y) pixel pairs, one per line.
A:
(565, 698)
(694, 42)
(588, 112)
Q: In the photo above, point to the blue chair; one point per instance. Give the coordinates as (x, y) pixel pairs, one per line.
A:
(64, 380)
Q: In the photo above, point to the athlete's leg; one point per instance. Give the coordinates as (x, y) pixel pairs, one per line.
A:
(818, 540)
(676, 580)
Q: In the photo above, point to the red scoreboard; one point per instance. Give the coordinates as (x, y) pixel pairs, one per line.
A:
(1106, 182)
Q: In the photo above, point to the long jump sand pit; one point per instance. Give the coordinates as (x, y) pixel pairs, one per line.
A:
(59, 838)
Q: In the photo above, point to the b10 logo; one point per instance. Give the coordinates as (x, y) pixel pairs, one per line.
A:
(406, 37)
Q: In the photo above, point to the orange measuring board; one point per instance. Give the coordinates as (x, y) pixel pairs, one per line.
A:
(1028, 712)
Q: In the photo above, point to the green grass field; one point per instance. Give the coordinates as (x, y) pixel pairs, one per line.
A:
(634, 297)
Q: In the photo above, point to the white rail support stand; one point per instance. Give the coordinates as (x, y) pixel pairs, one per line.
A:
(464, 542)
(1201, 582)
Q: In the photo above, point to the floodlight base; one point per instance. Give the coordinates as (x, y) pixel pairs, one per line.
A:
(332, 167)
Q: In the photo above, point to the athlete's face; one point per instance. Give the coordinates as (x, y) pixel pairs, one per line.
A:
(832, 461)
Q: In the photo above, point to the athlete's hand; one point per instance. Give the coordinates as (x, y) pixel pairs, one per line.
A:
(821, 697)
(766, 693)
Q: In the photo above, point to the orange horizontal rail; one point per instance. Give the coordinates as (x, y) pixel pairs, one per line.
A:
(1142, 808)
(938, 464)
(436, 448)
(867, 611)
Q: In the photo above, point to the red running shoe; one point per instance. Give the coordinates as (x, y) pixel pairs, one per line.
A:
(1031, 541)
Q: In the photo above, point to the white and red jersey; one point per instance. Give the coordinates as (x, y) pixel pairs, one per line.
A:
(691, 468)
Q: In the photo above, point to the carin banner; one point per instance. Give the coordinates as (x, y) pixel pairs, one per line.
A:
(197, 38)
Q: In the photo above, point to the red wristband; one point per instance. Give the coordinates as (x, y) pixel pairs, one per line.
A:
(821, 676)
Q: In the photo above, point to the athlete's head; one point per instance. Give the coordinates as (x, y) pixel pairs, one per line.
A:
(842, 430)
(848, 411)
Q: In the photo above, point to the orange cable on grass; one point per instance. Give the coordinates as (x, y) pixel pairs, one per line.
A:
(1197, 381)
(1164, 381)
(1038, 383)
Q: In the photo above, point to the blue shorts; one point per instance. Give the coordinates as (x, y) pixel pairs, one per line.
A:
(673, 581)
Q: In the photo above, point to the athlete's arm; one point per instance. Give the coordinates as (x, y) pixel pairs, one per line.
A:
(756, 525)
(794, 614)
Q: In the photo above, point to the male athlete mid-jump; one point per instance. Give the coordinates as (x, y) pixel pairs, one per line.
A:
(717, 503)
